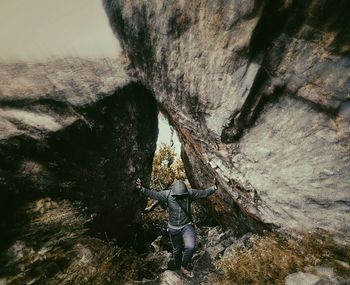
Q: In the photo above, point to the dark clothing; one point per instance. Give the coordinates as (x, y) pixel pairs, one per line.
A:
(177, 217)
(180, 228)
(183, 239)
(178, 188)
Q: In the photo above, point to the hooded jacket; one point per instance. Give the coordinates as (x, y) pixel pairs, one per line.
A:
(178, 191)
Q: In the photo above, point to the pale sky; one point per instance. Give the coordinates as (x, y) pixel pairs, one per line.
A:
(34, 30)
(165, 134)
(37, 29)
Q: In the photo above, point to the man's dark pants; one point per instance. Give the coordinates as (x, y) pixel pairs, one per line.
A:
(184, 239)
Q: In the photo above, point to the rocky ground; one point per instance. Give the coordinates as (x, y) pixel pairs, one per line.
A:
(215, 245)
(53, 243)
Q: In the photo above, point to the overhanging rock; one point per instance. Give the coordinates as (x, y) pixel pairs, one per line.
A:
(259, 94)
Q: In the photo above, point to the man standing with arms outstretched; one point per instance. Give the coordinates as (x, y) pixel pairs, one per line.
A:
(180, 225)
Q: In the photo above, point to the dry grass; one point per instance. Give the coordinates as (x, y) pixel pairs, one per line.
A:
(269, 259)
(54, 246)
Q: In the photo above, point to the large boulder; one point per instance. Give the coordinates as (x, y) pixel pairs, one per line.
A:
(76, 128)
(258, 92)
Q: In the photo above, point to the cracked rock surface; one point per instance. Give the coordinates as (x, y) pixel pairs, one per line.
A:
(259, 94)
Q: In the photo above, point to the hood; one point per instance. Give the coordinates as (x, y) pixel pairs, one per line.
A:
(178, 188)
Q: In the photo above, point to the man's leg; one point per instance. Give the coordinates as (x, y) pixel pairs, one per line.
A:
(176, 240)
(189, 238)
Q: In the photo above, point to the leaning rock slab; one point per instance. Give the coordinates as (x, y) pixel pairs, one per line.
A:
(259, 100)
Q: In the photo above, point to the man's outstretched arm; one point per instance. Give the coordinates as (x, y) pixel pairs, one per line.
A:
(160, 196)
(198, 194)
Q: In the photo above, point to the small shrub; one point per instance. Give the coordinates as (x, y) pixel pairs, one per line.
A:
(166, 167)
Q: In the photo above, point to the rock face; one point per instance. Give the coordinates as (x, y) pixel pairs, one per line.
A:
(79, 129)
(259, 94)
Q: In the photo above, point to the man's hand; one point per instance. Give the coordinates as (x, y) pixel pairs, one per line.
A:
(215, 182)
(138, 184)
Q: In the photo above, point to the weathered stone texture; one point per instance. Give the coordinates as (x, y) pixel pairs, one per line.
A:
(80, 129)
(259, 94)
